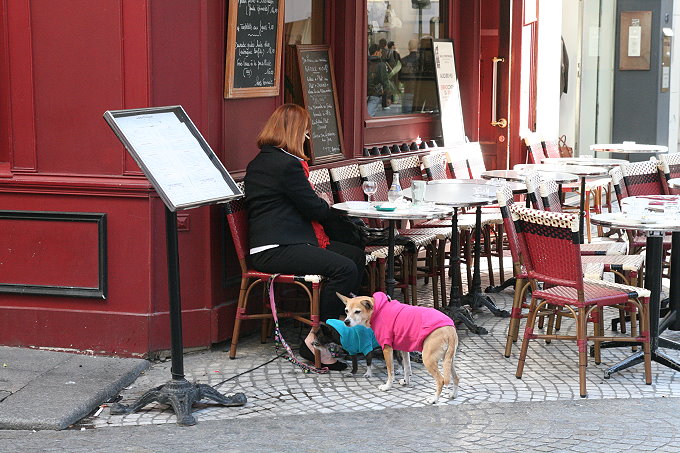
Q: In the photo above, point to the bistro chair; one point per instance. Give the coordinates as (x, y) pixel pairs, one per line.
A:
(670, 166)
(550, 252)
(432, 240)
(475, 158)
(346, 183)
(551, 148)
(237, 219)
(457, 164)
(522, 283)
(534, 149)
(533, 183)
(435, 166)
(321, 180)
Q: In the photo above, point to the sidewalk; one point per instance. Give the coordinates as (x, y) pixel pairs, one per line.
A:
(52, 390)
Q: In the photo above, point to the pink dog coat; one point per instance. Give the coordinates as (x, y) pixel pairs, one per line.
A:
(404, 327)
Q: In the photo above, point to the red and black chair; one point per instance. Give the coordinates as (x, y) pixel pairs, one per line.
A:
(237, 219)
(550, 251)
(670, 166)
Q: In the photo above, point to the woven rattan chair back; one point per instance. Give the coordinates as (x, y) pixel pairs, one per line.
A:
(535, 149)
(670, 165)
(617, 183)
(533, 182)
(457, 164)
(642, 178)
(550, 195)
(237, 219)
(346, 183)
(549, 244)
(375, 171)
(551, 148)
(473, 154)
(409, 169)
(321, 180)
(435, 166)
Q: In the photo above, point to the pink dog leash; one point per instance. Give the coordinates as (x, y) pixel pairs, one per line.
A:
(279, 340)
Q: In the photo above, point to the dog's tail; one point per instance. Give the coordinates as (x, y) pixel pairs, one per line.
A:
(449, 355)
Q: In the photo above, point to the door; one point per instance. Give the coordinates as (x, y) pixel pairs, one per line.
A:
(490, 93)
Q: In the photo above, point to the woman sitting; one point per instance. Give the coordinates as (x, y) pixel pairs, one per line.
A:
(285, 216)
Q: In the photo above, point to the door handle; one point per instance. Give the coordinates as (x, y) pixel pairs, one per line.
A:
(500, 122)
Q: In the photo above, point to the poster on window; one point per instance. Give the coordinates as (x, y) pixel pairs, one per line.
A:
(450, 107)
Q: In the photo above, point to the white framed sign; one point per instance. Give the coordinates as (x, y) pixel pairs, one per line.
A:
(174, 156)
(448, 89)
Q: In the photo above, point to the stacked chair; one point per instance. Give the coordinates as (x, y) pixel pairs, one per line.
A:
(670, 167)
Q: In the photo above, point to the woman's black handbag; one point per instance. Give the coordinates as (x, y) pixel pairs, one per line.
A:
(341, 228)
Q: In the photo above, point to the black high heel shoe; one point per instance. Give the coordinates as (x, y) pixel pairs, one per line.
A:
(307, 354)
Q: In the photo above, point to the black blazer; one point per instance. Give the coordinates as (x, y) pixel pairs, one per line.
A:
(281, 203)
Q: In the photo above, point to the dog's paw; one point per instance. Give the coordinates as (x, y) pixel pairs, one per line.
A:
(453, 393)
(431, 399)
(384, 387)
(368, 374)
(350, 374)
(405, 381)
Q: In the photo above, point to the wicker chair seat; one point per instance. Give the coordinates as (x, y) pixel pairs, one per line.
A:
(284, 278)
(641, 241)
(623, 263)
(380, 251)
(599, 293)
(440, 233)
(604, 248)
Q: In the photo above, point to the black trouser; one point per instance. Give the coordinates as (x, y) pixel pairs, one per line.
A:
(342, 265)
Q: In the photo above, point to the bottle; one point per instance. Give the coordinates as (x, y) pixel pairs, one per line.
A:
(395, 193)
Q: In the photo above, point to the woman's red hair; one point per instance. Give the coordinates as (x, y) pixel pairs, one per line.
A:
(285, 129)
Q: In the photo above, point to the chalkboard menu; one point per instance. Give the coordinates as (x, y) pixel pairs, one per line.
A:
(320, 99)
(254, 38)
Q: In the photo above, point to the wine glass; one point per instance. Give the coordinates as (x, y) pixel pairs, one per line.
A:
(369, 187)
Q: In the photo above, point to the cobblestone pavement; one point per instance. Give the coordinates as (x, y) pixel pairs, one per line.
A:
(276, 388)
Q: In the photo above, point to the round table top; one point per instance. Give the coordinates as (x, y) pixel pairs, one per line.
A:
(516, 187)
(585, 160)
(515, 175)
(628, 148)
(458, 195)
(654, 219)
(578, 170)
(403, 212)
(674, 183)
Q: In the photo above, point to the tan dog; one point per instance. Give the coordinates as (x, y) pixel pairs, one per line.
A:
(401, 327)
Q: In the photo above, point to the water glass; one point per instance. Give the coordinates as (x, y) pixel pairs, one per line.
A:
(369, 188)
(479, 192)
(671, 208)
(418, 191)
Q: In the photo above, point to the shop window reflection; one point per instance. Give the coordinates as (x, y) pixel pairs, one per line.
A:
(400, 76)
(304, 22)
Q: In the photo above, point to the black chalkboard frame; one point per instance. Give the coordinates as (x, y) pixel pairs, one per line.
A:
(230, 91)
(300, 50)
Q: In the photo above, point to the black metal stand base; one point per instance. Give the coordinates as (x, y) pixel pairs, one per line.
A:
(497, 289)
(638, 357)
(462, 315)
(477, 299)
(181, 395)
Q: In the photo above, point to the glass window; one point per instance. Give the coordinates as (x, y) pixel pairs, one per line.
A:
(304, 22)
(400, 76)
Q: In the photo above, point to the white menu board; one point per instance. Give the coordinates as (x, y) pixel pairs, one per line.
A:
(450, 106)
(174, 156)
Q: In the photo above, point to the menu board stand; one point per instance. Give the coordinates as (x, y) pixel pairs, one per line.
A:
(448, 89)
(170, 151)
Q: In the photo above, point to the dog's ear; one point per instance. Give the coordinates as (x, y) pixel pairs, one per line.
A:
(324, 328)
(368, 304)
(344, 299)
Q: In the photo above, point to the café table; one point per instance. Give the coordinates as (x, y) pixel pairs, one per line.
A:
(457, 196)
(586, 160)
(403, 211)
(518, 175)
(628, 148)
(582, 171)
(517, 188)
(654, 226)
(674, 183)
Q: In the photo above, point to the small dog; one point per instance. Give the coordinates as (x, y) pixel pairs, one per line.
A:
(408, 328)
(355, 340)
